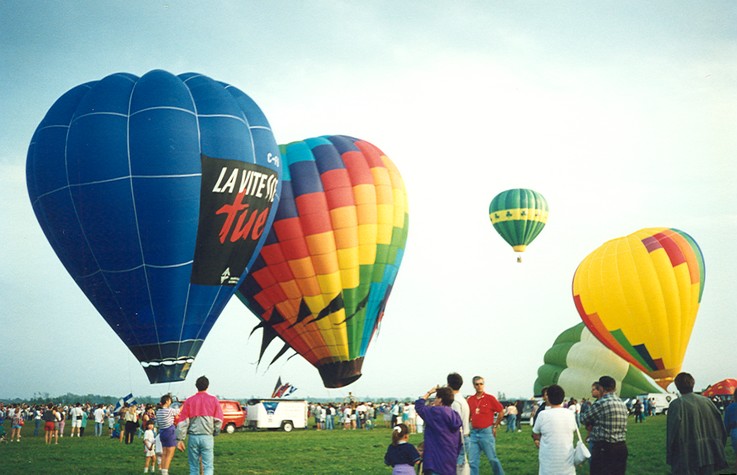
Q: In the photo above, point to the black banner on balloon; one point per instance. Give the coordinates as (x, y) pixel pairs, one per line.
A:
(235, 201)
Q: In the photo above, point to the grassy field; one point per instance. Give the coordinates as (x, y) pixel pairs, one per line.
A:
(298, 452)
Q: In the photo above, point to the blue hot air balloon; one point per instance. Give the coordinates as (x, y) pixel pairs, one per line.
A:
(156, 193)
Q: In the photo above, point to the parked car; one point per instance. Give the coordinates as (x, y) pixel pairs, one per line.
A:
(234, 415)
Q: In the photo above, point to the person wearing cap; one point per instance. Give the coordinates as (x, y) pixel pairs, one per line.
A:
(483, 407)
(607, 425)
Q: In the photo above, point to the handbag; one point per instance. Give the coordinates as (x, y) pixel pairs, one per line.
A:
(464, 469)
(581, 453)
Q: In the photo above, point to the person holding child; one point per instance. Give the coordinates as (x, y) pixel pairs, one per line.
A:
(401, 455)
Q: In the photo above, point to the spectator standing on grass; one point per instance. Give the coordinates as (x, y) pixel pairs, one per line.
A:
(730, 423)
(553, 435)
(484, 407)
(460, 405)
(49, 423)
(99, 415)
(201, 418)
(401, 455)
(83, 426)
(131, 422)
(695, 432)
(62, 417)
(165, 415)
(16, 424)
(607, 425)
(149, 446)
(76, 413)
(510, 412)
(37, 420)
(442, 431)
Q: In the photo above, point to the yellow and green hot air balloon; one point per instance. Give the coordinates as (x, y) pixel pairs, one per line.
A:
(639, 295)
(518, 215)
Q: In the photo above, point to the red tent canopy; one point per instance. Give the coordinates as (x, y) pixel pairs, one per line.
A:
(725, 387)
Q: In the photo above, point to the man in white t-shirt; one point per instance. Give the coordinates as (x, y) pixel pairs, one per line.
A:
(460, 405)
(76, 413)
(99, 416)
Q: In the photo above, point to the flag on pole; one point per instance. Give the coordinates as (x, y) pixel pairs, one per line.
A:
(129, 399)
(276, 388)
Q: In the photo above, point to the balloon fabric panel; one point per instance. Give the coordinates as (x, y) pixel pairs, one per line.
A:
(122, 174)
(340, 230)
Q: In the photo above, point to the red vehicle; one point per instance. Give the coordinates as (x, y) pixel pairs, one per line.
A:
(234, 415)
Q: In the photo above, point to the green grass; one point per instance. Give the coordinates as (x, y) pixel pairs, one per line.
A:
(298, 452)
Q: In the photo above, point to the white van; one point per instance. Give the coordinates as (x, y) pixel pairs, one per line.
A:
(285, 414)
(662, 401)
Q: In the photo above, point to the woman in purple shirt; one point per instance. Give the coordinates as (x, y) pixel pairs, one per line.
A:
(442, 431)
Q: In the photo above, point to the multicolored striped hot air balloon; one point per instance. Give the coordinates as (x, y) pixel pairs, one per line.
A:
(518, 215)
(323, 278)
(577, 359)
(639, 295)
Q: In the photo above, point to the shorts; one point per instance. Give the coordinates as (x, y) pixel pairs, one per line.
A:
(168, 437)
(77, 423)
(49, 426)
(16, 426)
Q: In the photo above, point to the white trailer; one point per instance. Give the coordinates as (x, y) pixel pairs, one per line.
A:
(661, 401)
(285, 414)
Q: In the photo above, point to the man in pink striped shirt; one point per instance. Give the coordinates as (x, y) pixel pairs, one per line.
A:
(201, 418)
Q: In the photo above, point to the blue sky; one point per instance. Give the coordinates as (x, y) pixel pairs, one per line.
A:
(622, 114)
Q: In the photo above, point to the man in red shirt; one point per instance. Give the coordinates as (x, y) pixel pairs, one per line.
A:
(483, 408)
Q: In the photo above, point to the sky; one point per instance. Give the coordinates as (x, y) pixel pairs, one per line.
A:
(622, 114)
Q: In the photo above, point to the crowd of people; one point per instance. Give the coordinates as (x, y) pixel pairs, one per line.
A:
(456, 430)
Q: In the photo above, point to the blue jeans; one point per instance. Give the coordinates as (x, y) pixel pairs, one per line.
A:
(98, 429)
(483, 439)
(201, 446)
(511, 423)
(461, 458)
(330, 422)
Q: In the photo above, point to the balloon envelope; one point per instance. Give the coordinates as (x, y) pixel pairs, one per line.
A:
(577, 359)
(639, 295)
(156, 194)
(725, 387)
(518, 215)
(323, 278)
